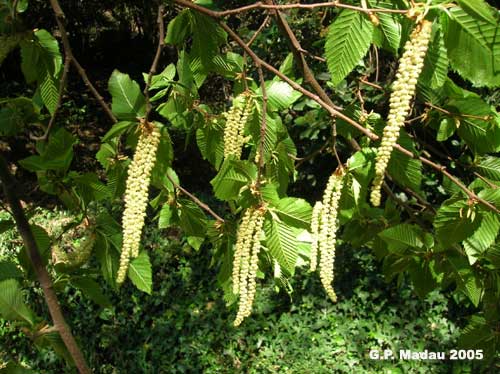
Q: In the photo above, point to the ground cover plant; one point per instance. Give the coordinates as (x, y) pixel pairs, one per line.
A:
(240, 148)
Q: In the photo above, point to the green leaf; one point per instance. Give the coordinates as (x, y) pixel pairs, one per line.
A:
(12, 306)
(478, 335)
(467, 281)
(481, 135)
(282, 242)
(128, 101)
(165, 215)
(294, 212)
(489, 166)
(435, 69)
(280, 95)
(348, 40)
(401, 237)
(479, 9)
(232, 176)
(178, 28)
(473, 47)
(447, 128)
(422, 278)
(484, 236)
(140, 272)
(107, 256)
(49, 92)
(210, 140)
(118, 129)
(451, 222)
(193, 220)
(15, 114)
(207, 37)
(92, 290)
(8, 270)
(12, 368)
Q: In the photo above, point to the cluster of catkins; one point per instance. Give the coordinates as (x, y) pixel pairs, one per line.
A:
(136, 194)
(236, 119)
(246, 260)
(324, 231)
(75, 246)
(410, 66)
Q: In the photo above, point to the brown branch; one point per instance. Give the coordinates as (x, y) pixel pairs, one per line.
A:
(9, 187)
(197, 201)
(259, 30)
(62, 84)
(154, 64)
(324, 101)
(60, 19)
(262, 5)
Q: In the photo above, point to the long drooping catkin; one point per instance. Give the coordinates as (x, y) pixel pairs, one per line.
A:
(246, 260)
(410, 67)
(236, 119)
(136, 195)
(324, 231)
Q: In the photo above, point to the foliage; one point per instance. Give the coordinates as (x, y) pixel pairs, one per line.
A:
(438, 225)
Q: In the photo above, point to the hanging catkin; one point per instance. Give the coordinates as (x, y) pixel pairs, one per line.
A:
(246, 260)
(324, 231)
(410, 67)
(136, 194)
(236, 119)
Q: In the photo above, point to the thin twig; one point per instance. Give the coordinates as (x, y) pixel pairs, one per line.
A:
(197, 201)
(261, 5)
(331, 108)
(259, 30)
(23, 226)
(154, 64)
(60, 19)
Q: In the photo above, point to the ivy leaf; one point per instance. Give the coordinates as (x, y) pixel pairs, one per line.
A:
(140, 273)
(348, 40)
(128, 101)
(473, 46)
(12, 305)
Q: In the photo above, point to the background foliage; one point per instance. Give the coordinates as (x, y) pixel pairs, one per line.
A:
(435, 237)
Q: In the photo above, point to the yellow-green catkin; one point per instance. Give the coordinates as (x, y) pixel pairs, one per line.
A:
(324, 231)
(236, 119)
(75, 246)
(315, 225)
(410, 67)
(136, 195)
(246, 260)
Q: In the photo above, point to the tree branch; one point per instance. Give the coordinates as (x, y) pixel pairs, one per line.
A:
(154, 64)
(324, 102)
(23, 226)
(197, 201)
(60, 19)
